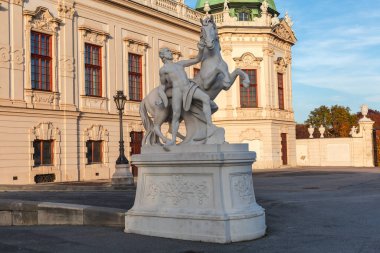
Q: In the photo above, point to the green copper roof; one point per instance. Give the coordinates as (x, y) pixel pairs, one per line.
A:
(201, 3)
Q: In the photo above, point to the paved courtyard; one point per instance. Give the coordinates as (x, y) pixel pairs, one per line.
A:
(308, 210)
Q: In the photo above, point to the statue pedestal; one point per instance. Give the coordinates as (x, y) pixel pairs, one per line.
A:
(196, 192)
(122, 178)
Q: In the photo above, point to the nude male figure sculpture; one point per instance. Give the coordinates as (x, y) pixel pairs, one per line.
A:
(173, 75)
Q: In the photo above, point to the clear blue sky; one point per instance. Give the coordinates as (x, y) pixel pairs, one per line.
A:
(337, 57)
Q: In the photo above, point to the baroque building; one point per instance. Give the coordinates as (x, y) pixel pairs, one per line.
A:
(61, 62)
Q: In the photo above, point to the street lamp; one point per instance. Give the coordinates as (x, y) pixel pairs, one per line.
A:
(122, 176)
(120, 100)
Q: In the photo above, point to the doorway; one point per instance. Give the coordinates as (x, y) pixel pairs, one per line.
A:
(135, 144)
(284, 149)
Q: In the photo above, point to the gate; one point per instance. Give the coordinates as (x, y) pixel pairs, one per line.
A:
(376, 146)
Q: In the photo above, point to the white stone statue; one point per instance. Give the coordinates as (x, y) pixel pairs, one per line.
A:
(206, 7)
(322, 130)
(364, 111)
(226, 5)
(288, 19)
(174, 77)
(275, 20)
(354, 131)
(188, 96)
(311, 131)
(264, 6)
(201, 189)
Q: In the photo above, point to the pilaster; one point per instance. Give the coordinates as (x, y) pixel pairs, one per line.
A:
(66, 12)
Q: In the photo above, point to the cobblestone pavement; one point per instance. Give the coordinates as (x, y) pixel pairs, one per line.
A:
(308, 210)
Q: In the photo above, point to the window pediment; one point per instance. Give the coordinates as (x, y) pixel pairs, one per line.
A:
(248, 60)
(42, 20)
(94, 36)
(136, 46)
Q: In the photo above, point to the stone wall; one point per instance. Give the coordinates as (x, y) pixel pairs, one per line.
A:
(356, 151)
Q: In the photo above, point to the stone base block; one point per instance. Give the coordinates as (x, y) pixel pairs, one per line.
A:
(200, 193)
(122, 178)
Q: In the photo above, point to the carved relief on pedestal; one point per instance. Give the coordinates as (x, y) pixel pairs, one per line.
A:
(242, 190)
(248, 60)
(179, 190)
(94, 104)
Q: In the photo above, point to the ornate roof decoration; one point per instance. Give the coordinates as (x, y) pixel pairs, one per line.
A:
(284, 32)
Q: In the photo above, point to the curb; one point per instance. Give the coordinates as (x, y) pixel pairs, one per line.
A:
(26, 213)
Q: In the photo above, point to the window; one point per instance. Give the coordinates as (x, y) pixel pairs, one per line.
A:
(94, 152)
(41, 72)
(135, 77)
(93, 70)
(248, 96)
(280, 80)
(244, 16)
(43, 152)
(196, 71)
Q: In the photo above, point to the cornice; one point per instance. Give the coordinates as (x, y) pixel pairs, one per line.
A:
(148, 11)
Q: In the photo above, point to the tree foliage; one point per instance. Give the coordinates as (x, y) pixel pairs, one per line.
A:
(336, 119)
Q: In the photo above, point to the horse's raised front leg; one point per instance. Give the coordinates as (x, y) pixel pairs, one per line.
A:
(234, 75)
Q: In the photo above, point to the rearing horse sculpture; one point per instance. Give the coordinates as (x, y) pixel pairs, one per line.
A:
(212, 78)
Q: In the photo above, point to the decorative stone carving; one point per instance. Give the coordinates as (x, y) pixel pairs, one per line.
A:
(46, 131)
(242, 186)
(18, 2)
(268, 51)
(18, 56)
(42, 99)
(281, 65)
(311, 131)
(322, 131)
(94, 36)
(96, 133)
(250, 134)
(41, 20)
(355, 132)
(5, 54)
(275, 20)
(288, 20)
(264, 7)
(248, 60)
(283, 31)
(364, 111)
(136, 46)
(94, 104)
(66, 9)
(179, 189)
(68, 65)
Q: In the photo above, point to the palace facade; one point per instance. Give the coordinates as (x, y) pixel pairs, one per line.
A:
(61, 62)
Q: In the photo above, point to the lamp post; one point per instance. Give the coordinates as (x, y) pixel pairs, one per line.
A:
(122, 176)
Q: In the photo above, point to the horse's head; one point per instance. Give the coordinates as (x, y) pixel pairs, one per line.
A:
(209, 34)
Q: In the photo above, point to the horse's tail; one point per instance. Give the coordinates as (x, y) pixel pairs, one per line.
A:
(146, 121)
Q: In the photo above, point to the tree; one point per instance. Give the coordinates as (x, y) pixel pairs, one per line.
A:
(337, 120)
(373, 115)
